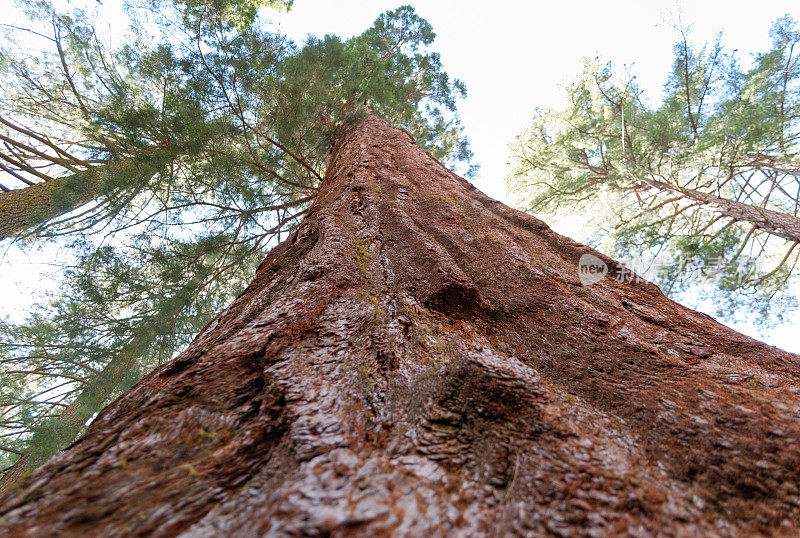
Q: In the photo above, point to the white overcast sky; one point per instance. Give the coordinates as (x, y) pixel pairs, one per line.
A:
(515, 56)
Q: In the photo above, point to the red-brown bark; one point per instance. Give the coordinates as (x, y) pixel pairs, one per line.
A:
(420, 359)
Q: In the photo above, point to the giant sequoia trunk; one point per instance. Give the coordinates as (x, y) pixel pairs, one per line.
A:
(420, 359)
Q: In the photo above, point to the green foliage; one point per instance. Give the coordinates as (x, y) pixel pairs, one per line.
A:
(238, 14)
(125, 310)
(204, 148)
(663, 182)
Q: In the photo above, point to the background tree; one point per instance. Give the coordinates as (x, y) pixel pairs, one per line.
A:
(202, 149)
(709, 179)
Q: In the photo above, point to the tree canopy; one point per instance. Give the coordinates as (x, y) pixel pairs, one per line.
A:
(167, 162)
(705, 185)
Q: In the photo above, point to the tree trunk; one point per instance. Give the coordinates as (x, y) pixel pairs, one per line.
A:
(23, 208)
(27, 207)
(780, 224)
(420, 359)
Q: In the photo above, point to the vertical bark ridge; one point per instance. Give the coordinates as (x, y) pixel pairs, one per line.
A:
(420, 359)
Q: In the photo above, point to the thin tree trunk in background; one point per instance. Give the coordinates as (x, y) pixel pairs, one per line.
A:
(28, 206)
(781, 224)
(418, 359)
(33, 205)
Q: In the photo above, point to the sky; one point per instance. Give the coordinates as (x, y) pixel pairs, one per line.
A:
(515, 56)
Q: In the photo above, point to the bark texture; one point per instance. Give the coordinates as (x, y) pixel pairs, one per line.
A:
(418, 359)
